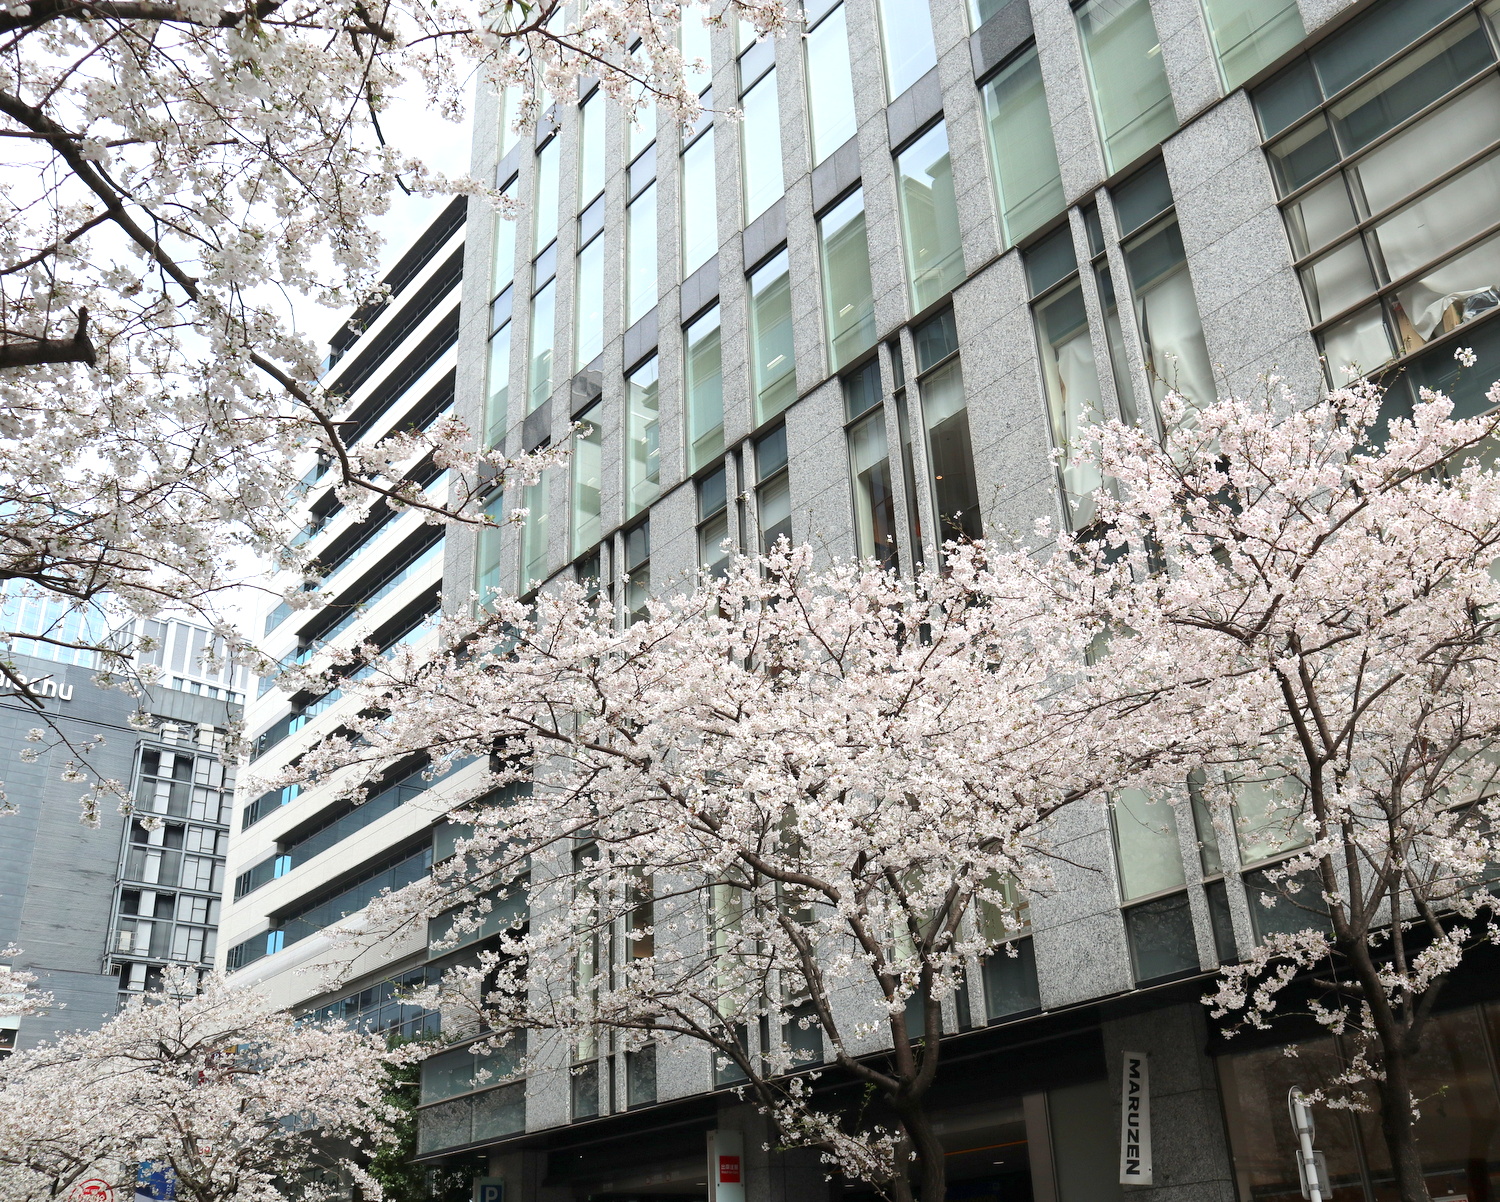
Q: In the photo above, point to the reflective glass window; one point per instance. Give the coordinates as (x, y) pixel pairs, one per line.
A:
(772, 366)
(1129, 83)
(640, 256)
(543, 316)
(1071, 378)
(760, 147)
(534, 533)
(705, 391)
(590, 148)
(642, 438)
(906, 37)
(1023, 154)
(1248, 34)
(700, 234)
(588, 303)
(587, 467)
(544, 197)
(929, 218)
(848, 295)
(830, 85)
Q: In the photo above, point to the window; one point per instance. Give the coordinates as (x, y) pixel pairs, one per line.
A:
(700, 234)
(760, 138)
(640, 239)
(502, 275)
(1023, 155)
(640, 1076)
(642, 434)
(1166, 310)
(697, 52)
(1384, 189)
(848, 295)
(588, 484)
(713, 523)
(637, 572)
(906, 37)
(830, 86)
(1248, 34)
(1158, 916)
(870, 468)
(1131, 98)
(705, 391)
(544, 198)
(929, 218)
(588, 303)
(590, 149)
(772, 366)
(773, 491)
(510, 108)
(534, 534)
(1070, 375)
(543, 333)
(945, 416)
(487, 554)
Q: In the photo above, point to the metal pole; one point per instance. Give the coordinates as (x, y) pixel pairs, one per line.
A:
(1302, 1124)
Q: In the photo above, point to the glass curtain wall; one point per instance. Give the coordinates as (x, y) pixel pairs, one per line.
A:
(1023, 155)
(1387, 164)
(870, 467)
(1166, 309)
(700, 211)
(642, 438)
(713, 523)
(534, 499)
(772, 363)
(830, 84)
(640, 238)
(1248, 34)
(848, 295)
(586, 526)
(1070, 375)
(929, 218)
(945, 417)
(1132, 100)
(773, 490)
(906, 37)
(760, 130)
(502, 274)
(705, 391)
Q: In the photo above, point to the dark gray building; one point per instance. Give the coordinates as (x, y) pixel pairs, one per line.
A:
(98, 913)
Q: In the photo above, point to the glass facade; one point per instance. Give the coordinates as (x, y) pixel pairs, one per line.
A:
(543, 333)
(713, 523)
(870, 468)
(591, 117)
(830, 85)
(588, 329)
(772, 360)
(705, 390)
(1128, 81)
(848, 295)
(544, 195)
(640, 255)
(929, 218)
(700, 210)
(760, 146)
(945, 418)
(906, 37)
(1248, 34)
(642, 438)
(586, 526)
(534, 499)
(1384, 142)
(1023, 154)
(773, 489)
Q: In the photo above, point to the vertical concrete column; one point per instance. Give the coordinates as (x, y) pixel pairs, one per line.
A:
(1189, 1149)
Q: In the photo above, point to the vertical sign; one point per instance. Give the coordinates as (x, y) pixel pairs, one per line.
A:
(489, 1189)
(726, 1166)
(1135, 1120)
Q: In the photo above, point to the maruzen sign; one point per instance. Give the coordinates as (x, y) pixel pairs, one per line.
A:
(1135, 1120)
(726, 1166)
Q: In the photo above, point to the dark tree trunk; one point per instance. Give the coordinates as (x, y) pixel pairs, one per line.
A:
(1397, 1127)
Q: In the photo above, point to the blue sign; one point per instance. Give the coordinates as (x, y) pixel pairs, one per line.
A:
(489, 1189)
(155, 1183)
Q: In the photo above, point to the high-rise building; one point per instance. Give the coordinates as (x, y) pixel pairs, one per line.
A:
(941, 238)
(98, 913)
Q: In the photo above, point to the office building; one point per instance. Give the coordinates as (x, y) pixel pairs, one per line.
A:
(100, 912)
(942, 237)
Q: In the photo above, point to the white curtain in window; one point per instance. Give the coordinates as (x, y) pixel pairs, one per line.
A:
(1173, 335)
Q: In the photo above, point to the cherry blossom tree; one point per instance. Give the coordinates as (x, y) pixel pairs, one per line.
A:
(174, 172)
(1307, 611)
(234, 1099)
(790, 808)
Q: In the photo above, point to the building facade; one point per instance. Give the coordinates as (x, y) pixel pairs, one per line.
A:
(941, 238)
(100, 913)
